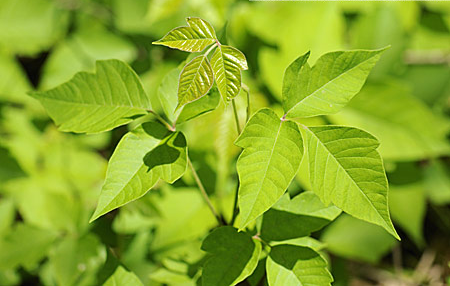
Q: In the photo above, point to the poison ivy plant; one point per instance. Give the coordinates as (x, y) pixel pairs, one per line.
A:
(345, 170)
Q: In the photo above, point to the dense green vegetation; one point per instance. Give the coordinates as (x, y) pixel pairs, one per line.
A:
(257, 151)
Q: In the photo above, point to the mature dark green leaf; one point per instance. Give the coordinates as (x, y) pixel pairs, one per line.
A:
(298, 217)
(123, 277)
(272, 153)
(346, 169)
(90, 103)
(235, 256)
(329, 85)
(227, 63)
(193, 38)
(297, 266)
(144, 155)
(196, 80)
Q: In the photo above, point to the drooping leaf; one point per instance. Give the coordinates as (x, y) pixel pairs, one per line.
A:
(346, 169)
(272, 153)
(123, 277)
(329, 85)
(96, 102)
(402, 126)
(196, 80)
(356, 239)
(144, 155)
(193, 38)
(235, 256)
(167, 93)
(227, 63)
(298, 217)
(297, 266)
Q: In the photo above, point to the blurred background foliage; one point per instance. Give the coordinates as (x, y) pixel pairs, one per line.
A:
(50, 181)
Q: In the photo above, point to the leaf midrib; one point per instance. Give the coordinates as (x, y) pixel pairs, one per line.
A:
(89, 104)
(326, 84)
(351, 178)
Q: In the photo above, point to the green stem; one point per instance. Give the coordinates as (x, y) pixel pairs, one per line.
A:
(247, 91)
(236, 117)
(211, 48)
(235, 206)
(170, 127)
(203, 192)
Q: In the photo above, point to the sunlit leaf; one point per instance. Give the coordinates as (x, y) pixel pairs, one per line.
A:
(196, 80)
(272, 153)
(96, 102)
(193, 38)
(346, 169)
(235, 256)
(296, 265)
(142, 157)
(329, 85)
(123, 277)
(227, 63)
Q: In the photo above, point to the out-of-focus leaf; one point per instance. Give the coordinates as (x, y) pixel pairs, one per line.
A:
(165, 276)
(193, 38)
(25, 246)
(272, 153)
(30, 27)
(196, 80)
(76, 260)
(296, 265)
(13, 82)
(406, 128)
(355, 239)
(90, 103)
(227, 63)
(79, 53)
(9, 168)
(346, 169)
(130, 16)
(407, 204)
(437, 183)
(144, 155)
(132, 221)
(235, 256)
(329, 85)
(123, 277)
(298, 217)
(7, 216)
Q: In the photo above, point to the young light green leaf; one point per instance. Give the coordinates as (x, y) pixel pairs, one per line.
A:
(123, 277)
(227, 63)
(144, 155)
(346, 169)
(193, 38)
(235, 256)
(329, 85)
(296, 265)
(298, 217)
(96, 102)
(196, 80)
(272, 153)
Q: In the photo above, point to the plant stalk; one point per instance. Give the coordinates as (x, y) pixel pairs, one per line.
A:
(203, 192)
(170, 127)
(247, 91)
(236, 117)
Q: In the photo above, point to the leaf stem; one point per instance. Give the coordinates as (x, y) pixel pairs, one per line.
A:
(170, 127)
(235, 207)
(210, 49)
(203, 192)
(236, 117)
(247, 91)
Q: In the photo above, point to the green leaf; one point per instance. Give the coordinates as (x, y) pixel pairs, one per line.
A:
(123, 277)
(235, 256)
(196, 80)
(407, 129)
(296, 265)
(193, 38)
(167, 94)
(96, 102)
(329, 85)
(355, 239)
(346, 169)
(142, 156)
(227, 63)
(407, 204)
(298, 217)
(272, 153)
(437, 183)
